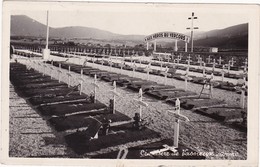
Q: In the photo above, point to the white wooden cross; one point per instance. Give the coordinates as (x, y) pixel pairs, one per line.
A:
(85, 62)
(223, 73)
(133, 52)
(232, 62)
(131, 57)
(229, 64)
(178, 59)
(111, 51)
(188, 62)
(177, 117)
(160, 60)
(204, 69)
(81, 73)
(199, 58)
(242, 99)
(59, 72)
(44, 68)
(165, 73)
(134, 67)
(209, 59)
(140, 102)
(168, 58)
(245, 66)
(148, 69)
(51, 69)
(200, 61)
(189, 59)
(213, 65)
(102, 61)
(220, 60)
(69, 75)
(187, 78)
(110, 64)
(180, 56)
(121, 66)
(81, 81)
(115, 93)
(95, 87)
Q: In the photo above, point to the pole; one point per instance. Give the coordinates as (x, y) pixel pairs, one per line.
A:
(47, 35)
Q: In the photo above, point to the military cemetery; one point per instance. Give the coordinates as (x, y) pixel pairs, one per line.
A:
(186, 101)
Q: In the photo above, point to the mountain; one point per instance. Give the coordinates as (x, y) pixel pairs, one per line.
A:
(235, 37)
(22, 25)
(237, 30)
(230, 37)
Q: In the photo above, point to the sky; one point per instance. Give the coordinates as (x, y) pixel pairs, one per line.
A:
(140, 19)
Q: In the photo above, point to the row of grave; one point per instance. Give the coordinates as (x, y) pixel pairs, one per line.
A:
(90, 125)
(131, 52)
(171, 73)
(202, 103)
(179, 60)
(196, 61)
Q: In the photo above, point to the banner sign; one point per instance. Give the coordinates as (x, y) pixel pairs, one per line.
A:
(173, 35)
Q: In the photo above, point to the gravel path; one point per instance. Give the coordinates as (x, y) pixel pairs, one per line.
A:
(203, 134)
(30, 136)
